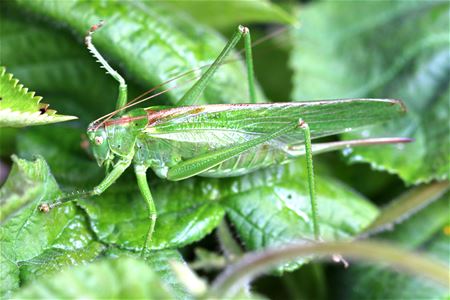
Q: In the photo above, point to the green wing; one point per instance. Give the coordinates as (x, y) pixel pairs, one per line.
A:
(177, 135)
(223, 125)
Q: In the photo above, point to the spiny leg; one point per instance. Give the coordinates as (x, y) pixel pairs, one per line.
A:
(112, 176)
(122, 98)
(141, 176)
(311, 183)
(194, 92)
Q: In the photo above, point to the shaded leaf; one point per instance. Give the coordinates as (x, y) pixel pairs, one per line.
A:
(33, 243)
(108, 279)
(337, 54)
(273, 208)
(228, 13)
(63, 149)
(160, 262)
(152, 41)
(187, 211)
(424, 231)
(19, 107)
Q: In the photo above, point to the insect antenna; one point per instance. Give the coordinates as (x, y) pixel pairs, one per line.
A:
(112, 114)
(140, 99)
(254, 44)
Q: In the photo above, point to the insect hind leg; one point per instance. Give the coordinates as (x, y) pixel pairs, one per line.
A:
(122, 98)
(311, 183)
(249, 63)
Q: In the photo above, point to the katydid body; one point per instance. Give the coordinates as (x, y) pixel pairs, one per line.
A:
(163, 138)
(222, 140)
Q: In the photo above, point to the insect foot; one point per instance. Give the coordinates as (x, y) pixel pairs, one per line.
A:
(88, 38)
(45, 208)
(339, 259)
(302, 124)
(243, 29)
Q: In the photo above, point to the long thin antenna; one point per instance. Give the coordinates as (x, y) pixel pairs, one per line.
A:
(139, 99)
(110, 115)
(254, 44)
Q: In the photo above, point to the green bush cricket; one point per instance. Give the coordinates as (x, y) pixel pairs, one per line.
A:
(220, 140)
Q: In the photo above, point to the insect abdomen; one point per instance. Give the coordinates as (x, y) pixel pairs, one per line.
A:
(249, 161)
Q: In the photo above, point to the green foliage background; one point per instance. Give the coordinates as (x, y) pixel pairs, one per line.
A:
(332, 49)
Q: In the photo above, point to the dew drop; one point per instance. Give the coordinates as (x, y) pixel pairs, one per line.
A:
(347, 129)
(400, 146)
(365, 133)
(347, 151)
(357, 158)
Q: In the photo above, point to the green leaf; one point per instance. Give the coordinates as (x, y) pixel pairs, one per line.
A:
(394, 49)
(19, 107)
(160, 262)
(424, 231)
(152, 42)
(187, 211)
(72, 165)
(272, 208)
(228, 13)
(107, 279)
(59, 66)
(33, 243)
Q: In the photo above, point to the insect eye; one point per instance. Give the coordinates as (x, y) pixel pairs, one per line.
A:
(98, 140)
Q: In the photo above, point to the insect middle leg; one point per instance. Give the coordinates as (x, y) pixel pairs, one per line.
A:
(194, 92)
(141, 176)
(122, 98)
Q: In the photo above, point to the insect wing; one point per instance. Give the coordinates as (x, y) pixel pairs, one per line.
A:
(223, 125)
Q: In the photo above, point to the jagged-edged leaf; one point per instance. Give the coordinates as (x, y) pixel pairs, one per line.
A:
(33, 243)
(267, 208)
(19, 107)
(228, 13)
(272, 207)
(393, 49)
(186, 213)
(59, 67)
(425, 231)
(152, 42)
(107, 279)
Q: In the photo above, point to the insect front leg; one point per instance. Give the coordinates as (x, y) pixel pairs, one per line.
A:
(115, 173)
(194, 92)
(122, 98)
(311, 184)
(141, 176)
